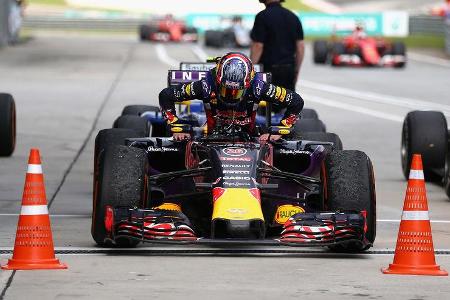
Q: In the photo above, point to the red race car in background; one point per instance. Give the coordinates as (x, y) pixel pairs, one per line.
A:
(168, 30)
(358, 49)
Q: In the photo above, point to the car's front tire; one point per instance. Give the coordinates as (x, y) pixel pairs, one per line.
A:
(7, 124)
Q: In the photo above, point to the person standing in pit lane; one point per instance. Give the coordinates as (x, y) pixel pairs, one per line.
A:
(277, 43)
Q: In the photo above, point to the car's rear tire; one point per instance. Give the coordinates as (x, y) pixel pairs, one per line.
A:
(214, 38)
(425, 133)
(320, 50)
(323, 137)
(122, 182)
(144, 32)
(308, 125)
(349, 185)
(7, 125)
(141, 125)
(309, 113)
(137, 110)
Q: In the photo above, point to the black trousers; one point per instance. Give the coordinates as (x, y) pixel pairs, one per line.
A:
(282, 75)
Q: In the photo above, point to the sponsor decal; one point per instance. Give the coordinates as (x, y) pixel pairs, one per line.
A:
(236, 184)
(278, 92)
(236, 166)
(239, 172)
(237, 211)
(234, 151)
(283, 94)
(176, 129)
(162, 149)
(290, 151)
(236, 178)
(283, 131)
(235, 158)
(284, 212)
(270, 91)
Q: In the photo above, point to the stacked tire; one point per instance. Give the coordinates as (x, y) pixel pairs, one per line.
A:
(426, 133)
(7, 124)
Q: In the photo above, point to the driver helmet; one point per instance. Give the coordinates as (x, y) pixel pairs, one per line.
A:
(234, 74)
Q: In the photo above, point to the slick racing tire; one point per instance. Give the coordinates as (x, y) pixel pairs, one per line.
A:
(399, 48)
(425, 133)
(309, 113)
(107, 138)
(320, 52)
(214, 38)
(447, 174)
(7, 124)
(137, 110)
(141, 125)
(349, 185)
(122, 182)
(338, 49)
(324, 137)
(144, 32)
(308, 125)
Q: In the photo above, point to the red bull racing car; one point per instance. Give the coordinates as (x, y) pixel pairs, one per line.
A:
(230, 188)
(168, 30)
(7, 124)
(360, 50)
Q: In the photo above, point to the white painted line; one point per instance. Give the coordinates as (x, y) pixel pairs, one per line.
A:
(429, 59)
(52, 216)
(200, 53)
(350, 107)
(416, 174)
(377, 98)
(398, 221)
(34, 169)
(33, 210)
(161, 52)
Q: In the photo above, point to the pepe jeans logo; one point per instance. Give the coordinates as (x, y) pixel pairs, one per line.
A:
(234, 151)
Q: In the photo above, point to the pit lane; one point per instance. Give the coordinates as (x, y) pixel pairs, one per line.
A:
(66, 90)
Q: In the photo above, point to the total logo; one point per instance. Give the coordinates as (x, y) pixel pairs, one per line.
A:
(234, 151)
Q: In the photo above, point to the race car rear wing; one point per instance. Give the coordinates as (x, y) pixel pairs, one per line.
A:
(183, 76)
(196, 66)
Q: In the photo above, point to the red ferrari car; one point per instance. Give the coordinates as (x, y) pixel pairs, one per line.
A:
(168, 30)
(358, 49)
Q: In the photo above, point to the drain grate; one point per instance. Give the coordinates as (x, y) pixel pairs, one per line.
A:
(196, 251)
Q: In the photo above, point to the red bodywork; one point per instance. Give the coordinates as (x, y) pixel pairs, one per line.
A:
(172, 30)
(367, 51)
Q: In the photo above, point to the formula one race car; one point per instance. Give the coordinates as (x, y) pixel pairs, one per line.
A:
(360, 51)
(233, 35)
(7, 124)
(301, 190)
(426, 133)
(168, 30)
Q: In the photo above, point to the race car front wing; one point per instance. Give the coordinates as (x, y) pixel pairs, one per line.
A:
(303, 229)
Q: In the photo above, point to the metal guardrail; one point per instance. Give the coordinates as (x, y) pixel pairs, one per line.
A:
(57, 22)
(447, 36)
(426, 25)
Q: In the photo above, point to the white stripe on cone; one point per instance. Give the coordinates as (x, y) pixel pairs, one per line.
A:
(34, 169)
(416, 174)
(32, 210)
(415, 216)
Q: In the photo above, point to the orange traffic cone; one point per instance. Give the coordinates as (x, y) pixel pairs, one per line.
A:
(414, 253)
(33, 248)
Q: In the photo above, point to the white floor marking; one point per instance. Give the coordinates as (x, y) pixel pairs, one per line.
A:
(377, 98)
(350, 107)
(200, 53)
(429, 59)
(161, 52)
(398, 221)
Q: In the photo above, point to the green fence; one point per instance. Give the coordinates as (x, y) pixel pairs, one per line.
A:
(319, 24)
